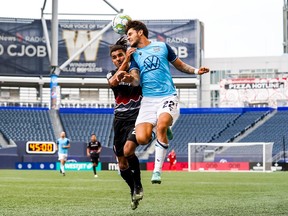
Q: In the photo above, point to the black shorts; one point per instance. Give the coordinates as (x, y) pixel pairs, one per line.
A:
(123, 131)
(94, 157)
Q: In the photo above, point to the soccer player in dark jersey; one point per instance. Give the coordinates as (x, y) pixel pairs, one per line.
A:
(127, 104)
(93, 151)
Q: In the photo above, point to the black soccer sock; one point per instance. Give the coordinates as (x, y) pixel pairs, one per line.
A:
(127, 176)
(94, 169)
(135, 167)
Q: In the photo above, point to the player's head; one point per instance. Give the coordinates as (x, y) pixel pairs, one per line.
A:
(62, 134)
(135, 30)
(93, 137)
(118, 51)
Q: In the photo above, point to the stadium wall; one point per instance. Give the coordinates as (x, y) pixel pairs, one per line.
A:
(182, 110)
(10, 156)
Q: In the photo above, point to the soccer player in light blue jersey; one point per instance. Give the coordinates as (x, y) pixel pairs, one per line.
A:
(150, 68)
(63, 144)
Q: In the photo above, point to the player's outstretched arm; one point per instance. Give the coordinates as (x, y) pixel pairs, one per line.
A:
(185, 68)
(203, 70)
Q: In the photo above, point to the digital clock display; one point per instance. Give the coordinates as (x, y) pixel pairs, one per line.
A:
(40, 148)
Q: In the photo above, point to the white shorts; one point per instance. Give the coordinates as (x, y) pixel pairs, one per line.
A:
(62, 156)
(151, 108)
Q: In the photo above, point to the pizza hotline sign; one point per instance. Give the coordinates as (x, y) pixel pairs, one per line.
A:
(238, 92)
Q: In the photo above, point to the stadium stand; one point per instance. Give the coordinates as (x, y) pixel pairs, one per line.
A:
(196, 126)
(239, 125)
(193, 125)
(79, 124)
(273, 130)
(214, 125)
(26, 124)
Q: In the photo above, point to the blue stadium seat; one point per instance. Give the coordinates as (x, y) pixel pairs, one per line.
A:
(273, 130)
(33, 124)
(26, 125)
(198, 128)
(79, 126)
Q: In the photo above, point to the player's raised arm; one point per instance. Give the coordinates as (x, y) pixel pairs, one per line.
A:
(131, 77)
(126, 63)
(124, 66)
(121, 56)
(183, 67)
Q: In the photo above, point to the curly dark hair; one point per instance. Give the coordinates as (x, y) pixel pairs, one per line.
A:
(121, 43)
(137, 25)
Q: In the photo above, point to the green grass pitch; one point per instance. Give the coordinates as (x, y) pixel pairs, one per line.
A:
(181, 193)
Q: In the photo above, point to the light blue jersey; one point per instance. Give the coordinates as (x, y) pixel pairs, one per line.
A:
(62, 142)
(152, 61)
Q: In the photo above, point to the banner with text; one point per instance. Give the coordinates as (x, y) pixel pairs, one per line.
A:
(23, 50)
(179, 166)
(79, 166)
(253, 92)
(214, 166)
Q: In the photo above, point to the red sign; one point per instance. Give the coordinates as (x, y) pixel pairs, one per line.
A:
(208, 166)
(220, 166)
(179, 166)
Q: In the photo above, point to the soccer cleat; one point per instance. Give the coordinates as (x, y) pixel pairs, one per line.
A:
(169, 133)
(156, 178)
(134, 204)
(63, 173)
(96, 176)
(137, 194)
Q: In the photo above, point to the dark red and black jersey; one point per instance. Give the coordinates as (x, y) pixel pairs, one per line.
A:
(127, 99)
(93, 146)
